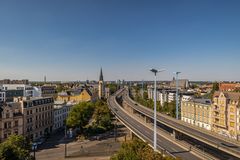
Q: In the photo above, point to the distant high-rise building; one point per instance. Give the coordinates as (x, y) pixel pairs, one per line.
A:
(101, 88)
(45, 79)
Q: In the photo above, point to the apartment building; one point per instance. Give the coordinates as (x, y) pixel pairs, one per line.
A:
(28, 90)
(11, 120)
(38, 116)
(225, 114)
(182, 83)
(48, 91)
(169, 95)
(11, 94)
(229, 86)
(2, 96)
(61, 111)
(8, 81)
(76, 96)
(197, 112)
(172, 96)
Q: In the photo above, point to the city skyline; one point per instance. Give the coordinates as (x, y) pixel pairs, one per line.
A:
(72, 41)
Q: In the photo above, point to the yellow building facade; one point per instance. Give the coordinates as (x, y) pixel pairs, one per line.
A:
(225, 114)
(197, 112)
(83, 96)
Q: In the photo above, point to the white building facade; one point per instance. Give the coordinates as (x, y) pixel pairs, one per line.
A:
(61, 111)
(28, 90)
(2, 96)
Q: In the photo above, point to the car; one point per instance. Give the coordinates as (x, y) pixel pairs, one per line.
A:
(34, 146)
(229, 145)
(40, 141)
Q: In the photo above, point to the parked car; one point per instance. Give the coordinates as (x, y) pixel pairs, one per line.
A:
(34, 146)
(40, 141)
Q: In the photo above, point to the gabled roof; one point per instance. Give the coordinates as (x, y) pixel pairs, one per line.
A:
(230, 95)
(75, 92)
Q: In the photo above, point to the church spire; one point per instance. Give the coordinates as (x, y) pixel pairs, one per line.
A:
(101, 88)
(101, 75)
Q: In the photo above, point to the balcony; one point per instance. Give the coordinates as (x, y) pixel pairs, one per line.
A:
(216, 122)
(216, 108)
(216, 114)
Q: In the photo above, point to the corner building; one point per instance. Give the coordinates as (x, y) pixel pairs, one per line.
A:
(38, 116)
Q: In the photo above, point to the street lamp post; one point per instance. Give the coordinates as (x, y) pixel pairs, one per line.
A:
(177, 114)
(155, 71)
(34, 150)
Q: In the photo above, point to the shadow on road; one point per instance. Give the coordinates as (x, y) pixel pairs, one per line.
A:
(54, 140)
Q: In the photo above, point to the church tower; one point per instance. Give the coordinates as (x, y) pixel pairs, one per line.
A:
(101, 88)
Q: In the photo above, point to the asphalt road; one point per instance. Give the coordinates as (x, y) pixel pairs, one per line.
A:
(147, 134)
(191, 131)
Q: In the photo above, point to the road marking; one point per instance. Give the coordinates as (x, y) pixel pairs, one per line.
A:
(173, 149)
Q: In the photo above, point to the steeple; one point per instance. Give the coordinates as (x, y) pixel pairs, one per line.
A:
(101, 88)
(101, 75)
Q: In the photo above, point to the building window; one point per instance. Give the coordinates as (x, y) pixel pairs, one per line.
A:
(7, 115)
(5, 125)
(16, 132)
(16, 123)
(5, 135)
(36, 110)
(27, 112)
(9, 125)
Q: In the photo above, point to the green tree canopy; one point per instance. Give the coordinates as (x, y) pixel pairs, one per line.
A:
(112, 88)
(90, 117)
(15, 148)
(80, 115)
(137, 150)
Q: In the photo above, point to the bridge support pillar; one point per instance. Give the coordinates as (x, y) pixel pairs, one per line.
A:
(127, 107)
(131, 135)
(147, 120)
(177, 135)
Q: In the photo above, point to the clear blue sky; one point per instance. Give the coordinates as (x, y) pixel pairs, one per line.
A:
(72, 39)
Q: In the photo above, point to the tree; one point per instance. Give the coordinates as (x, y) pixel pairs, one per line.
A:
(15, 148)
(137, 150)
(102, 116)
(80, 115)
(214, 89)
(112, 88)
(170, 108)
(90, 118)
(145, 95)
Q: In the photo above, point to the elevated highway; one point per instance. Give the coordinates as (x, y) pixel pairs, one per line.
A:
(178, 127)
(204, 136)
(145, 133)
